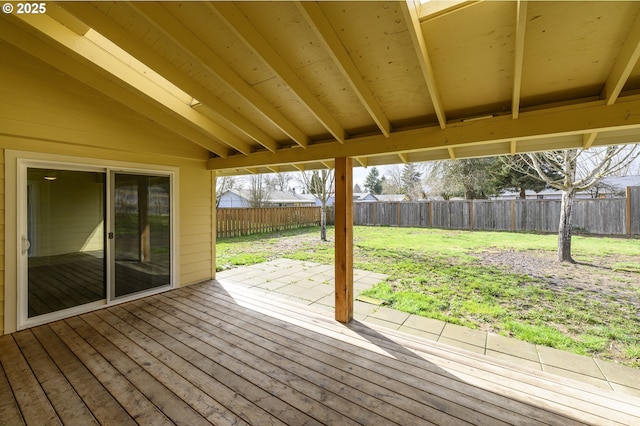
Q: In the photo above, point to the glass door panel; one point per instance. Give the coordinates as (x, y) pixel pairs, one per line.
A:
(65, 239)
(142, 233)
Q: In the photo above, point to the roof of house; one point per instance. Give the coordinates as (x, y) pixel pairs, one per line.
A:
(276, 196)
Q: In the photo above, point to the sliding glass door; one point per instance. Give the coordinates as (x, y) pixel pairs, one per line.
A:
(65, 241)
(142, 233)
(91, 236)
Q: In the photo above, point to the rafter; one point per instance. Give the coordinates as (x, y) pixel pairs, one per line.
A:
(403, 157)
(588, 139)
(452, 153)
(299, 167)
(222, 112)
(327, 35)
(363, 161)
(84, 60)
(521, 25)
(626, 61)
(530, 130)
(328, 164)
(415, 31)
(274, 169)
(245, 31)
(183, 37)
(513, 147)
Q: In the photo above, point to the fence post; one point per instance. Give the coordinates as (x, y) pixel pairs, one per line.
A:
(628, 211)
(513, 215)
(471, 205)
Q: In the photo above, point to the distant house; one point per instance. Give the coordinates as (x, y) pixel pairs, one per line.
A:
(234, 198)
(391, 197)
(608, 187)
(369, 197)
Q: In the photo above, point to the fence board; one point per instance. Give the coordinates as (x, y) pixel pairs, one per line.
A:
(602, 216)
(233, 222)
(634, 210)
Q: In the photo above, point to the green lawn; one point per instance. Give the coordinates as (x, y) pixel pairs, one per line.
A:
(441, 274)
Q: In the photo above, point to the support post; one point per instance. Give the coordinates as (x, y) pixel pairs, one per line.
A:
(214, 223)
(344, 239)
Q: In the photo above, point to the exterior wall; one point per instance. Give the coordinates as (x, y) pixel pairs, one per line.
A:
(47, 115)
(2, 232)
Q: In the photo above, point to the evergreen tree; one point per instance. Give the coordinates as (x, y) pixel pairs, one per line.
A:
(411, 181)
(373, 183)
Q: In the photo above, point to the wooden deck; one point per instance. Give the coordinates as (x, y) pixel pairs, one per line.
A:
(208, 354)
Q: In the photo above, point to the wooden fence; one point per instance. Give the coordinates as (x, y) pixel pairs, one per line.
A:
(602, 216)
(234, 222)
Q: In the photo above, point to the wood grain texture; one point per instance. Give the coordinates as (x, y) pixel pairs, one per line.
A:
(216, 354)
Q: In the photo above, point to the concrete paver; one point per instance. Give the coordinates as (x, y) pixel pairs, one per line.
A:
(312, 284)
(464, 334)
(512, 347)
(561, 359)
(620, 374)
(390, 315)
(429, 325)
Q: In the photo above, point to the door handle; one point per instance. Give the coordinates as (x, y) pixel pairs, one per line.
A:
(26, 244)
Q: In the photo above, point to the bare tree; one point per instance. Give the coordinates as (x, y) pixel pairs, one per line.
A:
(321, 185)
(392, 180)
(258, 193)
(279, 182)
(571, 171)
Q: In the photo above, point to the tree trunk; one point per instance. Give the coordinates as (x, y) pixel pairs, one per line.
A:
(323, 223)
(565, 228)
(523, 193)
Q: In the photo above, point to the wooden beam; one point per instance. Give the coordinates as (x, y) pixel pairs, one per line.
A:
(300, 167)
(625, 63)
(274, 169)
(245, 31)
(222, 113)
(328, 164)
(588, 139)
(415, 31)
(531, 130)
(521, 24)
(344, 240)
(324, 30)
(452, 153)
(186, 40)
(80, 58)
(403, 157)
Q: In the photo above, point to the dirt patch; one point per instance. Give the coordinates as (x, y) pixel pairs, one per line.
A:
(599, 277)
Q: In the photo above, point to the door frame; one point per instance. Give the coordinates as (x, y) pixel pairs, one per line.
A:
(16, 295)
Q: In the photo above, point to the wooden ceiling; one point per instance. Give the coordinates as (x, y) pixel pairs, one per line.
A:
(283, 86)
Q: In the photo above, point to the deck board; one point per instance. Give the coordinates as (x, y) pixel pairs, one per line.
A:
(214, 354)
